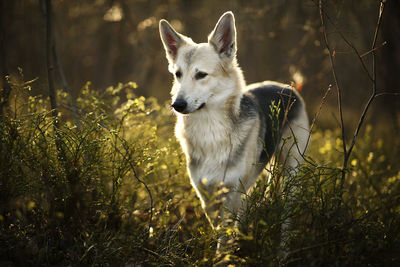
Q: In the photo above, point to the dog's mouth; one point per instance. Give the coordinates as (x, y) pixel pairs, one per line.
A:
(201, 106)
(186, 112)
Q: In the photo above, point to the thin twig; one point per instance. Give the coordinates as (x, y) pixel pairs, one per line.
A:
(372, 50)
(321, 245)
(316, 116)
(350, 44)
(347, 152)
(6, 90)
(302, 154)
(49, 60)
(373, 95)
(136, 177)
(59, 67)
(339, 93)
(387, 93)
(153, 253)
(74, 109)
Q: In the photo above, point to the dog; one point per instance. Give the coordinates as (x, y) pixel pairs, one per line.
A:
(229, 131)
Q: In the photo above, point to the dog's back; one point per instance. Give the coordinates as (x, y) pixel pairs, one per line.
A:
(278, 105)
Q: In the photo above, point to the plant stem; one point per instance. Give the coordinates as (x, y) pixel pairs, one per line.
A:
(49, 61)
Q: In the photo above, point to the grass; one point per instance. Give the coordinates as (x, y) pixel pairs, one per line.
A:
(114, 191)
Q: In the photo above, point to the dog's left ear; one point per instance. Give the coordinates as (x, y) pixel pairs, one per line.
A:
(171, 39)
(223, 37)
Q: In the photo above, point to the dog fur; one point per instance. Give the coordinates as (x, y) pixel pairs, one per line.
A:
(226, 128)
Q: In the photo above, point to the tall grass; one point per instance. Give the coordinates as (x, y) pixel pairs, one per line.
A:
(115, 192)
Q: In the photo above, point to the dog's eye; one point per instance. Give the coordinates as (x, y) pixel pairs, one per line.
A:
(178, 74)
(200, 75)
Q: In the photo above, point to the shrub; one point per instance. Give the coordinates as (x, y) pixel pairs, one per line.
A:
(109, 187)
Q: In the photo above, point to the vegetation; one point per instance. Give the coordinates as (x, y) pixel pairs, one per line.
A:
(95, 177)
(88, 200)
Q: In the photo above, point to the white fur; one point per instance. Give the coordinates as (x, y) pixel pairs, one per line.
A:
(207, 135)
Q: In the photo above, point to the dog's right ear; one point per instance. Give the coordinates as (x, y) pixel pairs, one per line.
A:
(223, 37)
(171, 39)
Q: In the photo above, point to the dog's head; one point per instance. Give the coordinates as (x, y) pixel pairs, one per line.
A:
(201, 71)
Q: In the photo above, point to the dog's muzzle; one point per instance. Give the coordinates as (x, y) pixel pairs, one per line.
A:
(179, 105)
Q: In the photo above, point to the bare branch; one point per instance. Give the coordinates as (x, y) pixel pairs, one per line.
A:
(134, 174)
(373, 95)
(339, 93)
(376, 48)
(59, 68)
(75, 110)
(49, 60)
(372, 77)
(350, 44)
(316, 116)
(387, 93)
(5, 93)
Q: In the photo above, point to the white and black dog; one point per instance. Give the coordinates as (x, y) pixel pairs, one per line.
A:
(229, 130)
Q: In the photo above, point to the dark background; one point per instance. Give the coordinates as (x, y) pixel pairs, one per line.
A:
(107, 42)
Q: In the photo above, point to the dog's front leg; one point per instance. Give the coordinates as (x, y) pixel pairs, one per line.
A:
(219, 202)
(231, 207)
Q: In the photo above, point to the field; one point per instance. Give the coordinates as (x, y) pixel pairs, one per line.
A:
(93, 175)
(111, 189)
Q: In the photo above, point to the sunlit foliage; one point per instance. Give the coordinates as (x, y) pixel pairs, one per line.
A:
(109, 187)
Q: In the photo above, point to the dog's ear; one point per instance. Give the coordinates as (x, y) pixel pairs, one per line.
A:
(223, 37)
(171, 39)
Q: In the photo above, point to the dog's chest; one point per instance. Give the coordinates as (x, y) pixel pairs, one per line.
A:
(206, 136)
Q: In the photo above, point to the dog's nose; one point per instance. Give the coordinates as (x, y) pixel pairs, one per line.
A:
(179, 104)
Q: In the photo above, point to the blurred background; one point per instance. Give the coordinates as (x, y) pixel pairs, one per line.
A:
(110, 41)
